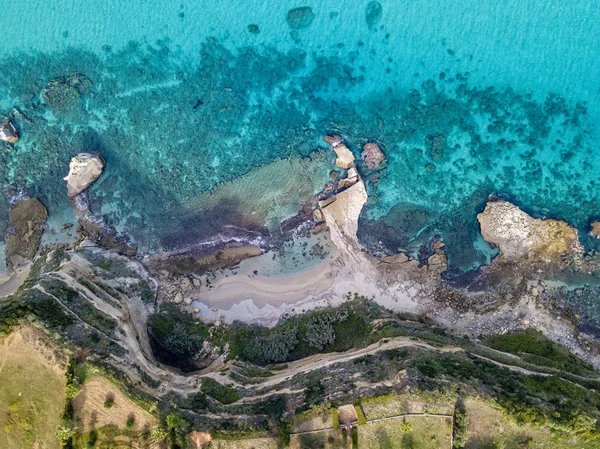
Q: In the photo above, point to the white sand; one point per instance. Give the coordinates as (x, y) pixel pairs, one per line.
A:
(352, 269)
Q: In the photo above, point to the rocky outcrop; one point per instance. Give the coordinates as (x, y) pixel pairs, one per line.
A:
(194, 260)
(345, 158)
(350, 180)
(341, 214)
(62, 94)
(595, 229)
(520, 236)
(8, 131)
(27, 219)
(372, 155)
(84, 169)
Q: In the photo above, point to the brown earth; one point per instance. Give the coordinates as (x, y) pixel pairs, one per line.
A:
(91, 413)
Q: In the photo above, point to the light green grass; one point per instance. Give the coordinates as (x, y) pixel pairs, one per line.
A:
(32, 397)
(408, 433)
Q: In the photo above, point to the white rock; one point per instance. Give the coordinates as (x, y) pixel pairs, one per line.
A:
(519, 235)
(84, 169)
(178, 298)
(187, 301)
(196, 282)
(8, 132)
(345, 158)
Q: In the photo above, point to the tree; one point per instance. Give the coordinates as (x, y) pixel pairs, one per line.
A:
(178, 430)
(66, 430)
(320, 332)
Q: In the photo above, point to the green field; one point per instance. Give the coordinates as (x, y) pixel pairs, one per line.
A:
(32, 393)
(406, 433)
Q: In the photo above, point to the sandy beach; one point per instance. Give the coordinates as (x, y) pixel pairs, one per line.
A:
(351, 270)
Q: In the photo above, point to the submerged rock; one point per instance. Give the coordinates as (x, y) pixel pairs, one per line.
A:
(372, 155)
(334, 140)
(8, 131)
(27, 219)
(373, 14)
(84, 169)
(595, 230)
(521, 236)
(300, 17)
(436, 144)
(253, 29)
(63, 93)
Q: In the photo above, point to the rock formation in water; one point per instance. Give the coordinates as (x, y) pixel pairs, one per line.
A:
(62, 94)
(520, 236)
(595, 229)
(84, 169)
(27, 219)
(373, 14)
(8, 131)
(372, 155)
(345, 158)
(300, 17)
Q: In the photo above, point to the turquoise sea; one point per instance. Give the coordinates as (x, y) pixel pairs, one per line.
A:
(466, 99)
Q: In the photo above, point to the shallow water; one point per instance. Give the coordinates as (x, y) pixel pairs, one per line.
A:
(186, 96)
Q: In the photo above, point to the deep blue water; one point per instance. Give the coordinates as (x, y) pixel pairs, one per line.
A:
(188, 96)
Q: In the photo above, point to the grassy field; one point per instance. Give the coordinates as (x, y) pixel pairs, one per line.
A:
(254, 443)
(488, 428)
(394, 404)
(329, 439)
(32, 390)
(406, 433)
(103, 414)
(316, 418)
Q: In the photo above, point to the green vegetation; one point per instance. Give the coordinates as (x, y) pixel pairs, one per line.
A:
(66, 430)
(299, 336)
(528, 399)
(362, 420)
(533, 347)
(222, 393)
(335, 419)
(461, 425)
(177, 336)
(354, 434)
(417, 432)
(31, 396)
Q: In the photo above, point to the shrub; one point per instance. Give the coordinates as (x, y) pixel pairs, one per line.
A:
(319, 329)
(222, 393)
(130, 422)
(461, 424)
(406, 426)
(109, 403)
(178, 334)
(159, 434)
(263, 346)
(65, 431)
(532, 346)
(178, 430)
